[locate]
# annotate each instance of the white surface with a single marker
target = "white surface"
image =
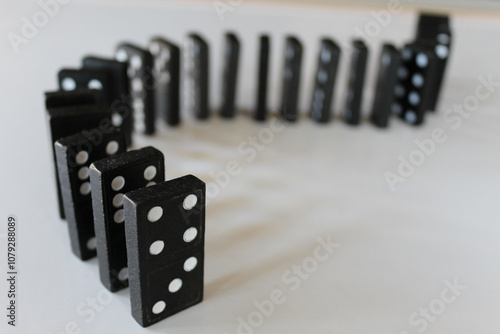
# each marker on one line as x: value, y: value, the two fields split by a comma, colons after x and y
x: 396, y: 248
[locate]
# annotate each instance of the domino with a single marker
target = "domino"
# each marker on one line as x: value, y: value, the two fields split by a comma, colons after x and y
x: 142, y: 86
x: 230, y: 76
x: 78, y: 97
x: 197, y: 101
x: 74, y: 155
x: 434, y: 32
x: 65, y: 121
x: 414, y: 91
x: 329, y: 55
x: 166, y: 70
x: 111, y: 178
x: 165, y: 229
x: 430, y: 26
x: 389, y: 62
x: 354, y: 98
x: 119, y: 93
x: 72, y: 79
x: 260, y: 113
x: 291, y: 79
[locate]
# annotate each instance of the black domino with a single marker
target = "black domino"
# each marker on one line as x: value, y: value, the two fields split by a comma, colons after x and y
x: 291, y: 79
x: 119, y: 99
x: 74, y: 79
x: 328, y: 60
x: 434, y: 31
x: 74, y: 155
x: 230, y: 76
x: 389, y: 63
x: 260, y: 113
x: 198, y: 77
x: 354, y: 97
x: 111, y: 178
x: 166, y: 69
x: 58, y: 99
x: 165, y: 228
x: 414, y: 89
x: 67, y: 120
x: 142, y: 84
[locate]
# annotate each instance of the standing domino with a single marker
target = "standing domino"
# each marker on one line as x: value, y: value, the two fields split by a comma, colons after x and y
x: 329, y: 55
x: 230, y: 76
x: 67, y: 120
x: 119, y: 92
x: 110, y: 179
x: 291, y: 79
x: 166, y: 71
x: 140, y: 67
x: 261, y: 108
x: 414, y: 90
x: 197, y: 64
x: 165, y: 227
x: 390, y: 60
x: 74, y: 155
x: 354, y: 98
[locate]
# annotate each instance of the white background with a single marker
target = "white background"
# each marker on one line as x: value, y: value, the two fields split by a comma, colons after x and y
x: 396, y: 250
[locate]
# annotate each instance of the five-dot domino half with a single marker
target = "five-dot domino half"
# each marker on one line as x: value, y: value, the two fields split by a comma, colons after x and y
x: 110, y: 179
x: 74, y: 155
x: 165, y: 228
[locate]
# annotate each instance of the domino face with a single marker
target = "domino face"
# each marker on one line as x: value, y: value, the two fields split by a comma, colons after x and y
x: 142, y: 85
x: 198, y: 78
x: 166, y: 70
x: 74, y: 155
x: 165, y: 228
x: 429, y: 26
x: 434, y: 32
x: 352, y: 109
x: 65, y: 121
x: 111, y: 179
x: 325, y: 81
x: 389, y: 63
x: 72, y: 79
x: 230, y: 76
x: 77, y: 97
x: 118, y: 90
x: 413, y: 91
x: 261, y: 108
x: 291, y: 79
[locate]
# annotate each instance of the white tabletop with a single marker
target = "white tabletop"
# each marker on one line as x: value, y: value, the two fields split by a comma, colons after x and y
x: 396, y: 252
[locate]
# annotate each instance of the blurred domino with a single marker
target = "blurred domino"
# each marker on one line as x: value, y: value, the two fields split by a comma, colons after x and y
x: 166, y: 70
x: 329, y: 55
x: 142, y: 85
x: 291, y: 79
x: 354, y: 98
